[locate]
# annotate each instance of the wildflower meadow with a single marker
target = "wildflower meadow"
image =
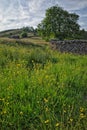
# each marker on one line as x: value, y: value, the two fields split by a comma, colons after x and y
x: 42, y: 89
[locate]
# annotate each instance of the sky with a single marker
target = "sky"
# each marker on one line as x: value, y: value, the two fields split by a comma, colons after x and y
x: 21, y: 13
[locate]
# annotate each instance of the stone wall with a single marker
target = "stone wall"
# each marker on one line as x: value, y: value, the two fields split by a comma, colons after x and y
x: 71, y: 46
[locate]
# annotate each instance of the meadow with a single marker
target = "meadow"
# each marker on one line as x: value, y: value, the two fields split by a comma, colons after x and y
x: 41, y: 89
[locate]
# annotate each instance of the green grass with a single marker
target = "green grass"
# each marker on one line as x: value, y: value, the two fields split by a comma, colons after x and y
x: 41, y: 89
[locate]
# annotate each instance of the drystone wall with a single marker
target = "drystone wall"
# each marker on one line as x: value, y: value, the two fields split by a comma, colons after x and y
x: 70, y: 46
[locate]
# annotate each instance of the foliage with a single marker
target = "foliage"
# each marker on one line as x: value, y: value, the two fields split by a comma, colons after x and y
x: 28, y: 29
x: 24, y: 34
x: 49, y: 97
x: 58, y: 23
x: 82, y: 34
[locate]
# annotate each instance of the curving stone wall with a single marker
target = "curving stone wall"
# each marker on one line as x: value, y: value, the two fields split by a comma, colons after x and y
x: 71, y: 46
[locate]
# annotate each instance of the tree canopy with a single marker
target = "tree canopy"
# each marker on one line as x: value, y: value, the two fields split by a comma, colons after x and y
x: 59, y: 23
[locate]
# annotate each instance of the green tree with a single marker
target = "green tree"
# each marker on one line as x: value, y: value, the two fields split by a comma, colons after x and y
x: 28, y: 29
x: 82, y: 34
x: 58, y: 23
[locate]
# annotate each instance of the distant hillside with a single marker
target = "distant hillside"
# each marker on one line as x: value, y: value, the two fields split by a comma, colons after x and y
x: 8, y: 33
x: 18, y: 32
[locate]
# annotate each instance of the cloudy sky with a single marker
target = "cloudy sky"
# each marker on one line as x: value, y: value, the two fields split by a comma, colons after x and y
x: 19, y: 13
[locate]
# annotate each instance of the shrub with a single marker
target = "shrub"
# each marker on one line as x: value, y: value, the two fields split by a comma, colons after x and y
x: 24, y: 35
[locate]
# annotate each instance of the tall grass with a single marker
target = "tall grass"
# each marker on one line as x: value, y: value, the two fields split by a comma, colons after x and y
x: 42, y: 90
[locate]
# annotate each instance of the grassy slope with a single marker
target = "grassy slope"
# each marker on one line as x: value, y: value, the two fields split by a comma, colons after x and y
x: 8, y: 32
x: 41, y: 89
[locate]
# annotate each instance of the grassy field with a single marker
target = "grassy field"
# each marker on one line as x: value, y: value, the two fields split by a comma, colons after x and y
x: 41, y: 89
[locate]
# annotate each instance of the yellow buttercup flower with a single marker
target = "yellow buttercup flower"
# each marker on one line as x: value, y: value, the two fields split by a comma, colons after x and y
x: 18, y: 65
x: 7, y: 103
x: 71, y: 120
x: 81, y: 109
x: 21, y: 113
x: 2, y: 99
x: 4, y: 112
x: 46, y: 109
x: 57, y: 124
x: 45, y: 100
x: 64, y: 111
x: 47, y: 121
x: 82, y: 115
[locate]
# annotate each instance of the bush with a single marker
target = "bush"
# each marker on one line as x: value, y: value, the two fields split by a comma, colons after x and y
x: 24, y: 35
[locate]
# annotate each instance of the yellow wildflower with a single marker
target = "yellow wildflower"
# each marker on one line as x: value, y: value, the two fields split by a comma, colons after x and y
x: 21, y: 113
x: 82, y: 115
x: 64, y: 111
x: 2, y: 99
x: 47, y: 121
x: 7, y: 103
x: 18, y: 65
x: 45, y: 100
x: 81, y: 109
x: 4, y: 112
x: 46, y: 109
x: 71, y: 120
x: 57, y: 124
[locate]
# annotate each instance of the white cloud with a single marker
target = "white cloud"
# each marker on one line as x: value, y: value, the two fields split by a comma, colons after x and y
x: 19, y: 13
x: 73, y: 4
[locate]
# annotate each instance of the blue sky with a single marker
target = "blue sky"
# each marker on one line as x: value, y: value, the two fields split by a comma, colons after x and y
x: 19, y: 13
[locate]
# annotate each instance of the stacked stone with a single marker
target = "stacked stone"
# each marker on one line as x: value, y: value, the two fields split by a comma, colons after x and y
x: 71, y: 46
